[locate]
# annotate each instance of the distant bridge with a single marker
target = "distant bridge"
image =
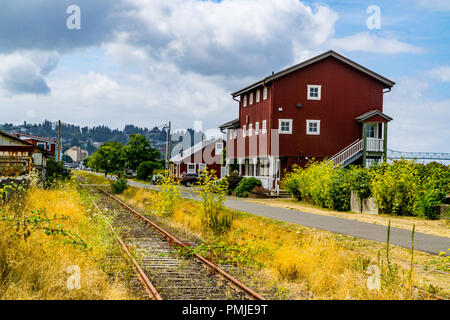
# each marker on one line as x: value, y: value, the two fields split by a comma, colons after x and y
x: 393, y: 154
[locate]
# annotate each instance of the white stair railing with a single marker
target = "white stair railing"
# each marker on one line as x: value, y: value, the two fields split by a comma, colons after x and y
x: 348, y: 152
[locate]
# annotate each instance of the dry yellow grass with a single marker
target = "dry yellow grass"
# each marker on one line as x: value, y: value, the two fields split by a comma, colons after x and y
x: 36, y: 266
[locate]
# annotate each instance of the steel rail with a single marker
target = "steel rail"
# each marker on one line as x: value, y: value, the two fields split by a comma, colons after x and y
x: 234, y: 282
x: 151, y: 291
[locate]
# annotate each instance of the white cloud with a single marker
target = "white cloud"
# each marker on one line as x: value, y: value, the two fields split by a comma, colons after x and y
x: 367, y: 42
x: 420, y: 123
x: 441, y: 73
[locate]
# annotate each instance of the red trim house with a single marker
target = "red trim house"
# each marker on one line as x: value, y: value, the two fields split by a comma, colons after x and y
x: 206, y: 154
x: 325, y: 107
x: 47, y: 144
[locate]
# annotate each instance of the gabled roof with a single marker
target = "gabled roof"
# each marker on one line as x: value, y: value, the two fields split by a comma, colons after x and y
x: 230, y: 124
x: 10, y: 136
x: 388, y: 83
x: 195, y: 148
x: 20, y: 134
x: 372, y: 113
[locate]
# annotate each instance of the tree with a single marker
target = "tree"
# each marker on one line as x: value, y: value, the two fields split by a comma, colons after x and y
x: 146, y: 169
x: 137, y: 150
x: 109, y: 157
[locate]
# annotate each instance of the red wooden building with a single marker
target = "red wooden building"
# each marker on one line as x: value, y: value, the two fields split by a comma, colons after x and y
x: 206, y: 154
x: 325, y: 107
x: 47, y: 144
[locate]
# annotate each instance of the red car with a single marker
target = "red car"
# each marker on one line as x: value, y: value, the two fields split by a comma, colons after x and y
x: 189, y: 179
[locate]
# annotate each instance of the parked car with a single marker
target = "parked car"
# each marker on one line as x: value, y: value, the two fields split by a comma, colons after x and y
x: 156, y: 178
x: 189, y: 179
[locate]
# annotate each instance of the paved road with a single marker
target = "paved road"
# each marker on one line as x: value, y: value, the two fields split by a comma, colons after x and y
x: 423, y: 242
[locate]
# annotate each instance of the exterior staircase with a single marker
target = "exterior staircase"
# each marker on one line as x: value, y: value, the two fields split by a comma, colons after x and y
x: 348, y: 154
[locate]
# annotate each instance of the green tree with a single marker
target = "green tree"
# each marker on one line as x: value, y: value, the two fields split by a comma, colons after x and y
x: 137, y: 150
x: 109, y: 157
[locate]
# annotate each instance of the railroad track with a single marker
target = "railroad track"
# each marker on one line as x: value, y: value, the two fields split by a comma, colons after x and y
x: 163, y: 272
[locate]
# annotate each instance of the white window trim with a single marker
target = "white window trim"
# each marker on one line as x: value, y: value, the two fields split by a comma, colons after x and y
x: 258, y: 96
x: 319, y: 93
x: 264, y: 126
x: 290, y: 126
x: 250, y: 98
x: 265, y: 90
x: 318, y: 127
x: 245, y: 101
x: 256, y: 128
x: 201, y: 167
x: 244, y: 130
x: 219, y: 148
x: 191, y: 170
x: 250, y: 129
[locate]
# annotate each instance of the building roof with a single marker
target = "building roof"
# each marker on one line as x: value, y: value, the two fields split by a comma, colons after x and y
x: 20, y: 134
x: 12, y: 137
x: 195, y: 148
x: 388, y: 83
x: 372, y: 113
x: 230, y: 124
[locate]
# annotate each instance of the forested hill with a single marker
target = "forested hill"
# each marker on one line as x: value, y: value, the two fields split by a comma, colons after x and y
x: 89, y: 138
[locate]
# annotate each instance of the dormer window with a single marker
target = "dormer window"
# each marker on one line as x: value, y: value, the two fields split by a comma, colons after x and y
x: 314, y: 92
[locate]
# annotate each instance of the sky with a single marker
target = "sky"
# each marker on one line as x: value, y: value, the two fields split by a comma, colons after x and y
x: 145, y: 62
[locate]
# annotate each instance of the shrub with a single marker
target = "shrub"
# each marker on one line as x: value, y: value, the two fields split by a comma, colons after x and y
x: 146, y: 169
x: 395, y: 186
x: 292, y: 182
x: 260, y: 191
x: 246, y: 185
x: 119, y: 186
x: 55, y: 173
x: 169, y: 195
x: 215, y: 217
x: 340, y: 190
x: 233, y: 180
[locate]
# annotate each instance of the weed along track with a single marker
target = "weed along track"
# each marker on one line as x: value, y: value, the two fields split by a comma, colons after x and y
x: 164, y: 273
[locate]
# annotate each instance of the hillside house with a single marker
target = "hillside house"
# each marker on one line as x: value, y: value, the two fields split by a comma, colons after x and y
x: 325, y: 107
x: 76, y: 154
x: 206, y: 154
x: 48, y: 144
x: 19, y: 157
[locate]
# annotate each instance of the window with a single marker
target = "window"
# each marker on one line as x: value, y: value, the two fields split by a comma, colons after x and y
x: 372, y: 130
x: 250, y: 129
x: 256, y: 128
x: 258, y: 92
x: 41, y: 145
x: 251, y: 98
x: 313, y: 127
x: 314, y: 92
x: 265, y: 93
x: 201, y: 167
x: 244, y: 130
x: 235, y: 133
x: 245, y: 101
x: 230, y: 134
x: 191, y: 168
x: 285, y: 126
x: 219, y: 147
x: 264, y: 126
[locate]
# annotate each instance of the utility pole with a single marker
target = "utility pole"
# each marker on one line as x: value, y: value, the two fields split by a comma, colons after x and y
x: 168, y: 148
x: 59, y: 141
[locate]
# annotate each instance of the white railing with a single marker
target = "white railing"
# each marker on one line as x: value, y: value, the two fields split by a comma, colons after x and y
x: 265, y: 181
x: 376, y: 145
x: 348, y: 152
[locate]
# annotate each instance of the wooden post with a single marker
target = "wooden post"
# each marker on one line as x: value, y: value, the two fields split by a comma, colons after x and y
x: 385, y: 141
x: 59, y: 141
x: 364, y: 145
